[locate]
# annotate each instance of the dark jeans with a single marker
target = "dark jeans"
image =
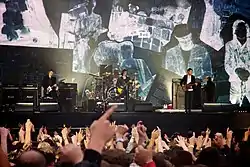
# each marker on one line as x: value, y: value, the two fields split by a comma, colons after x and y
x: 53, y: 94
x: 188, y: 101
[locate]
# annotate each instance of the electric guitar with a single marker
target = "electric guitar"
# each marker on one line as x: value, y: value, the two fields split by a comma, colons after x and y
x: 188, y: 86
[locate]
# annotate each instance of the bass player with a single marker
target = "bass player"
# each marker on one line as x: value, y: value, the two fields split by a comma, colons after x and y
x: 49, y: 85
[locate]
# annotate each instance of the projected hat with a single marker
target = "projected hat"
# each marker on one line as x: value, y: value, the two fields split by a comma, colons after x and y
x: 181, y: 30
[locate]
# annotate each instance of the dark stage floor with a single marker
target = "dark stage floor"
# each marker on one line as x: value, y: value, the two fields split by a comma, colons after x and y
x: 169, y: 122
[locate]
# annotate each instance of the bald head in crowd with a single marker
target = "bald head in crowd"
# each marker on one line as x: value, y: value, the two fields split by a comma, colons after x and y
x: 31, y: 159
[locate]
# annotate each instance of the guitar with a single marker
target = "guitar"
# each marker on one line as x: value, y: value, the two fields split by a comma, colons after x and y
x: 188, y: 86
x: 50, y: 88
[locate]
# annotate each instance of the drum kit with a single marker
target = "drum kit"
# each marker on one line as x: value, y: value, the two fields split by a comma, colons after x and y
x: 106, y: 88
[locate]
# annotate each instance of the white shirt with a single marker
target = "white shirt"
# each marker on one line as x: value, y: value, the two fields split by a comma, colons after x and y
x: 189, y: 80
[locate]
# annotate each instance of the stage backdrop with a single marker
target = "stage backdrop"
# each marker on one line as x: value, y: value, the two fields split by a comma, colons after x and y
x: 150, y: 38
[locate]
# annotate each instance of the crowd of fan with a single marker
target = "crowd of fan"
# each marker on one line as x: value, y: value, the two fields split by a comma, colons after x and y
x: 105, y: 144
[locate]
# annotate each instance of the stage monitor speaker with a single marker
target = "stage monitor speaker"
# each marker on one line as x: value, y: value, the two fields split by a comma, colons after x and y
x: 219, y: 107
x: 24, y: 107
x: 67, y: 105
x: 120, y: 106
x: 90, y: 105
x: 49, y: 107
x: 143, y: 107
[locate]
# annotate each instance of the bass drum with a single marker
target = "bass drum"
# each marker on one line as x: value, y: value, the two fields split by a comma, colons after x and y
x: 114, y: 92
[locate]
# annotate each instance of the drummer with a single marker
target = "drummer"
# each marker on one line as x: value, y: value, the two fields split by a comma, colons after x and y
x: 117, y: 82
x: 124, y: 77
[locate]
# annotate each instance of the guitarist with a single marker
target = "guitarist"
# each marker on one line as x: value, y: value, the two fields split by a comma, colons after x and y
x: 187, y: 83
x: 49, y: 85
x: 125, y: 79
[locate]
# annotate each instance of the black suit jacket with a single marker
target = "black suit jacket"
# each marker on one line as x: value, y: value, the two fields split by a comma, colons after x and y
x: 48, y: 81
x: 184, y: 80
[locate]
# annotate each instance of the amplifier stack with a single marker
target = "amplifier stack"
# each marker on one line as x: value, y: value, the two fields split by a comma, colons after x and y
x: 27, y: 98
x: 68, y: 96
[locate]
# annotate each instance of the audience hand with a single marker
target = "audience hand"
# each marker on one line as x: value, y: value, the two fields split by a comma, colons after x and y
x: 208, y: 143
x: 181, y: 142
x: 246, y: 134
x: 229, y: 134
x: 166, y: 138
x: 191, y: 141
x: 135, y: 134
x: 155, y: 134
x: 142, y: 132
x: 79, y: 136
x: 101, y: 131
x: 121, y: 130
x: 208, y: 131
x: 199, y: 142
x: 4, y: 132
x: 65, y: 132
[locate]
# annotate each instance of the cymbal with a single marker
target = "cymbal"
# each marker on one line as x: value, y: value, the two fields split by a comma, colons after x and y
x: 106, y: 73
x: 93, y: 75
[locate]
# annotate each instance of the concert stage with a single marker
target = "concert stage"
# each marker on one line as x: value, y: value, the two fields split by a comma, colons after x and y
x: 169, y: 122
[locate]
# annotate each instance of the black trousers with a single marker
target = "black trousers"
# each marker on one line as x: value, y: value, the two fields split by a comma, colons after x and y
x: 189, y: 96
x: 53, y: 94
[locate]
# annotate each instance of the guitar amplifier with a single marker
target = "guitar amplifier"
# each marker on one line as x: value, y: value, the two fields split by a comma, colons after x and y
x: 28, y: 93
x: 10, y: 94
x: 178, y: 95
x: 68, y: 96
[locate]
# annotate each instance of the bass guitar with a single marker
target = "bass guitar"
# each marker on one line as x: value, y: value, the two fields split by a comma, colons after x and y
x: 50, y: 88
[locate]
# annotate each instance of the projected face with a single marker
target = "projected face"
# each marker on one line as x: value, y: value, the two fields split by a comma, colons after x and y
x: 185, y: 42
x: 127, y: 51
x: 241, y: 33
x: 183, y: 3
x: 108, y: 53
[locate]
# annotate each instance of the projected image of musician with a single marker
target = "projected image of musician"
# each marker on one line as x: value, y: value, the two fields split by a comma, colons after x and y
x: 25, y: 23
x: 237, y: 63
x: 134, y: 65
x: 188, y: 83
x: 187, y: 54
x: 49, y: 85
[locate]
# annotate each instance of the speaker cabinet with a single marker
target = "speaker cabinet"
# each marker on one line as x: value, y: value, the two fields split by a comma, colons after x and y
x: 24, y: 107
x: 49, y: 107
x: 219, y: 107
x: 178, y: 95
x: 143, y: 107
